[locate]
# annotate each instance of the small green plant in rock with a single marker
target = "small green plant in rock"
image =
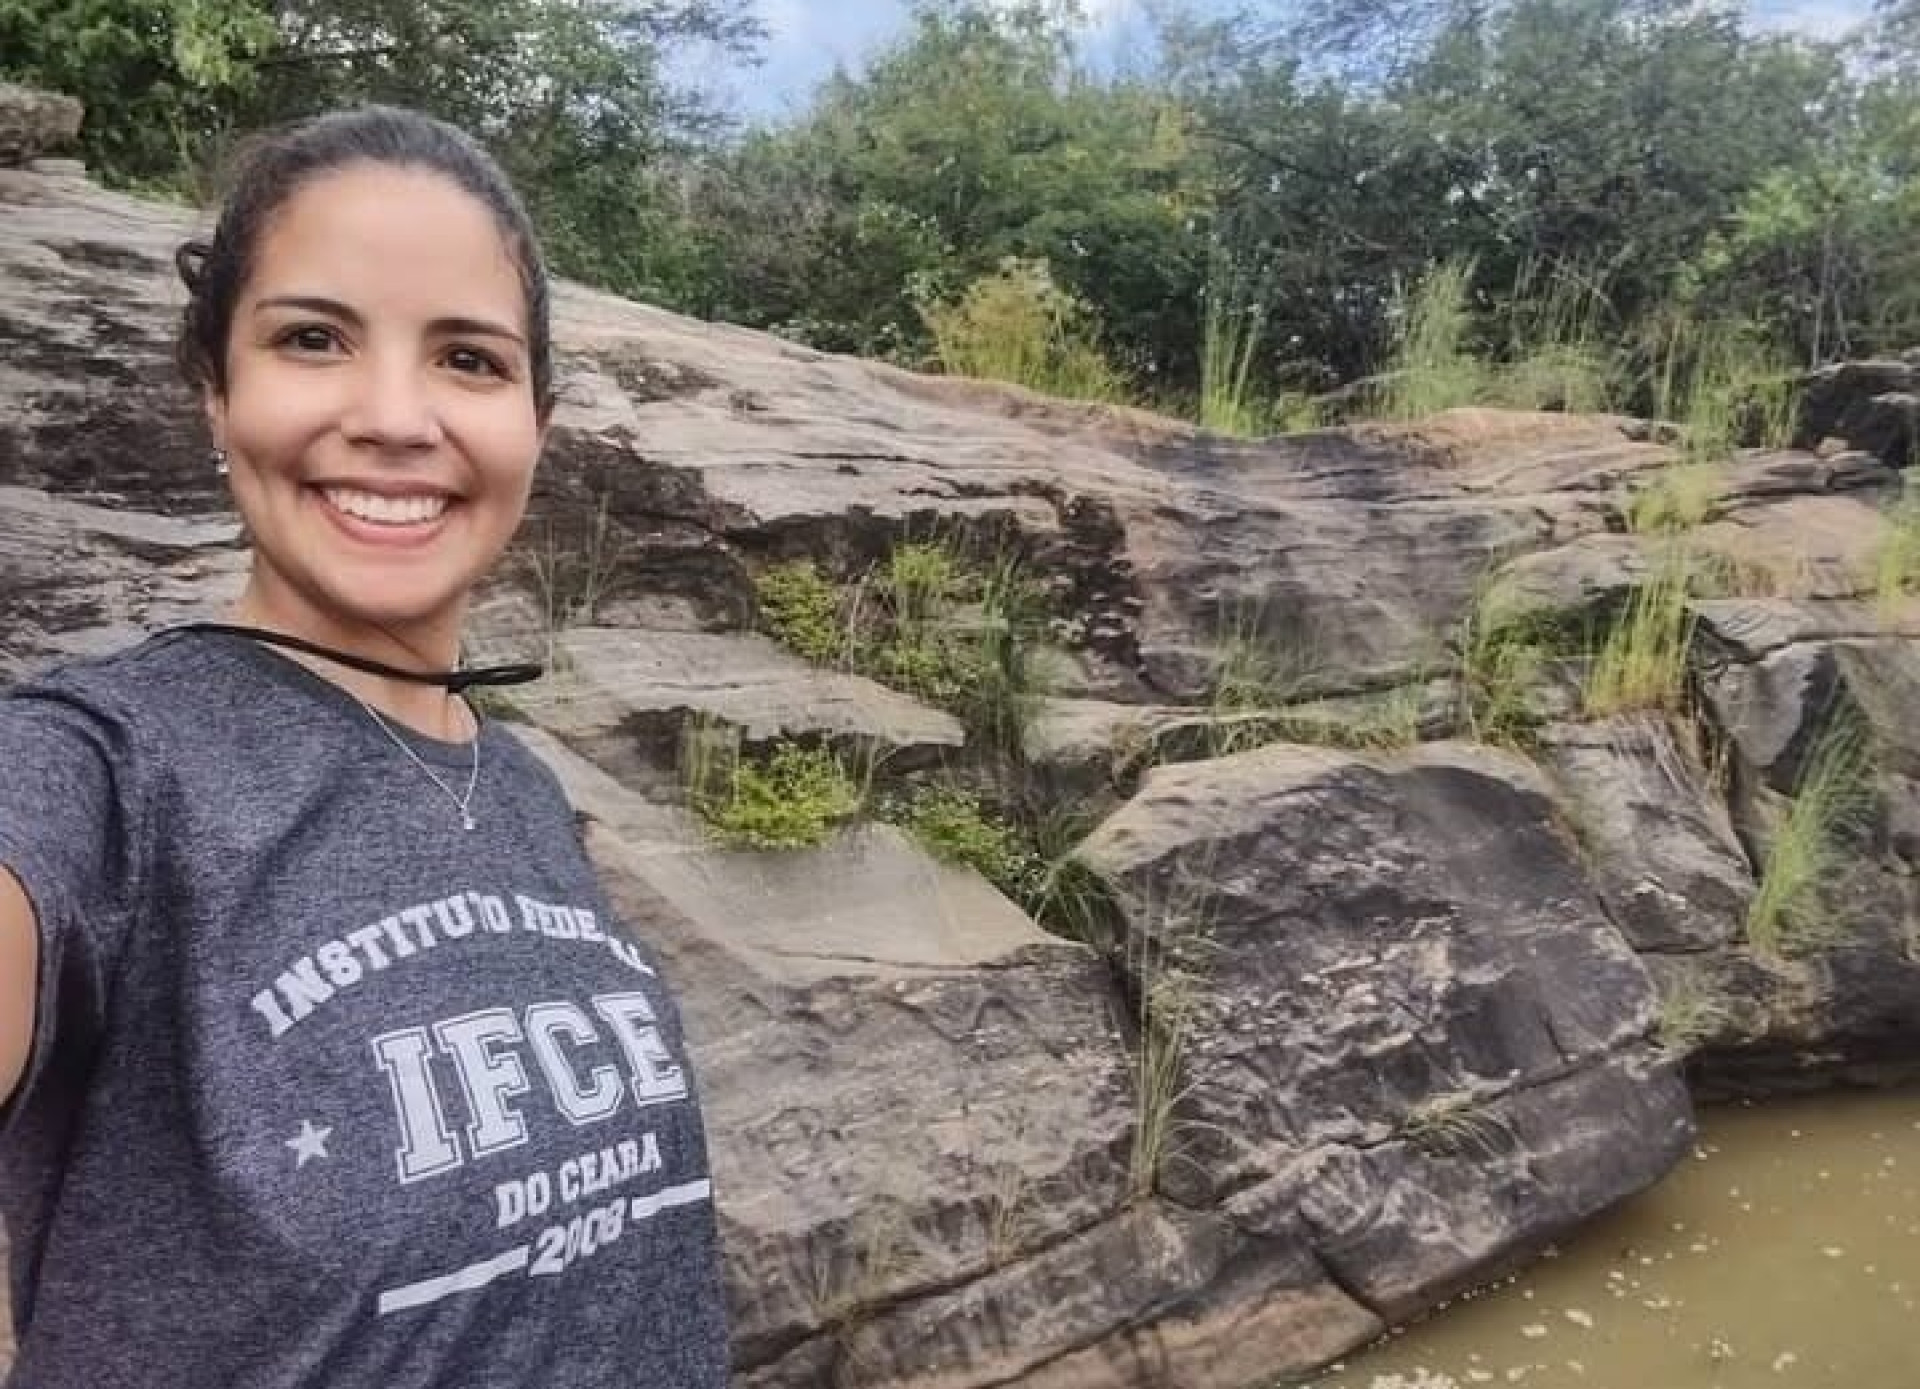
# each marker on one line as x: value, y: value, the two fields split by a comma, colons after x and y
x: 952, y: 825
x: 1432, y: 369
x: 1690, y: 1013
x: 1455, y: 1124
x: 1255, y: 674
x: 1642, y: 663
x: 800, y: 609
x: 793, y: 797
x: 1832, y: 796
x: 496, y: 704
x: 1503, y: 657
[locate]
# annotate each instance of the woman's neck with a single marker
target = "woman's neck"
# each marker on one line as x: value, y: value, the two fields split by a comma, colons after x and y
x: 426, y: 709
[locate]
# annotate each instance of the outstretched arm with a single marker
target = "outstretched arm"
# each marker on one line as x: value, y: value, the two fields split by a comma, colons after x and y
x: 19, y: 961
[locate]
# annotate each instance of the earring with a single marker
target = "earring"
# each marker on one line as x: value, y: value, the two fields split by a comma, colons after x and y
x: 220, y: 462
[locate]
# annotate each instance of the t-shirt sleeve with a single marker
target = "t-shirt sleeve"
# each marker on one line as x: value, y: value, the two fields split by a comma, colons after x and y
x: 69, y: 832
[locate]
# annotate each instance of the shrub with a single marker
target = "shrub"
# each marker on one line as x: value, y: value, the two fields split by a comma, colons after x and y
x: 792, y: 798
x: 1018, y: 325
x: 801, y: 609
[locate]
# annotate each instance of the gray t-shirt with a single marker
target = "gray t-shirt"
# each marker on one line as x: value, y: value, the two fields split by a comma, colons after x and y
x: 326, y: 1090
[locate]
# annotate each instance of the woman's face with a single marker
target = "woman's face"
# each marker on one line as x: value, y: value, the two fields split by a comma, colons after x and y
x: 378, y: 413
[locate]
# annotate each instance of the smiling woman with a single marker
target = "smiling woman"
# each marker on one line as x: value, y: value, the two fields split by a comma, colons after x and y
x: 228, y: 869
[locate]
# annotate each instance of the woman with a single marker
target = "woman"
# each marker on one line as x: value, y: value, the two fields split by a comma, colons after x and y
x: 326, y: 1062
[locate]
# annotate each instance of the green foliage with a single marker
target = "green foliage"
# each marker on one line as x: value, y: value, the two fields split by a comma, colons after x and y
x: 800, y: 608
x: 1432, y: 368
x: 160, y: 79
x: 1833, y: 793
x: 1642, y: 662
x: 952, y: 826
x: 571, y: 97
x: 1017, y: 325
x: 792, y: 797
x: 931, y: 621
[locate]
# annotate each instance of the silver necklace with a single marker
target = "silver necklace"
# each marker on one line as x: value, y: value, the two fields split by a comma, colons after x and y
x: 460, y: 803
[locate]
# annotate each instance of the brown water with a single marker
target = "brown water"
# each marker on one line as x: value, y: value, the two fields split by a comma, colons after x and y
x: 1784, y: 1254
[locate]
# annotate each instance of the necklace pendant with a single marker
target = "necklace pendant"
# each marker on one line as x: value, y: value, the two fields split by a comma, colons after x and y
x: 466, y: 821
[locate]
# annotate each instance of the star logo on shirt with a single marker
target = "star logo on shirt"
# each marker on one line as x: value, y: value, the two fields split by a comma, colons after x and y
x: 309, y: 1143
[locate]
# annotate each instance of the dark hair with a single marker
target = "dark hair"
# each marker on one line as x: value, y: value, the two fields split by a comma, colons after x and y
x: 271, y: 168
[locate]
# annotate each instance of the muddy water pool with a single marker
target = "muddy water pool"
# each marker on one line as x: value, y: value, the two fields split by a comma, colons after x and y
x: 1783, y: 1254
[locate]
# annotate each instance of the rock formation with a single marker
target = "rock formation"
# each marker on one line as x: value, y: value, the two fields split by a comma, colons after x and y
x: 1370, y: 1019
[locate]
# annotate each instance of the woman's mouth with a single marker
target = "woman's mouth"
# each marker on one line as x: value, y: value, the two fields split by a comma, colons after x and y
x: 377, y: 510
x: 371, y: 518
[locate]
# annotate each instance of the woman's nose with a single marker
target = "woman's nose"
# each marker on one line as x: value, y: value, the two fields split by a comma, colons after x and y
x: 393, y: 406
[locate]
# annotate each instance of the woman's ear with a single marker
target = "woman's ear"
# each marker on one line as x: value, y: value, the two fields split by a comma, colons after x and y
x: 214, y: 404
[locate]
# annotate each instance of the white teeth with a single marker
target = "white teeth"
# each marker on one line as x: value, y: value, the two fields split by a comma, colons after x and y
x: 386, y: 511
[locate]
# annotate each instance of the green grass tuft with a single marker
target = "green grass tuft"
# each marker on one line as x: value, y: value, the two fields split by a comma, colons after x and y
x: 1833, y: 795
x: 1678, y: 498
x: 1642, y: 663
x: 1691, y: 1012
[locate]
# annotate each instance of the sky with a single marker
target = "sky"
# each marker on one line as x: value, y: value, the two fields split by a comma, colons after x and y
x: 806, y: 39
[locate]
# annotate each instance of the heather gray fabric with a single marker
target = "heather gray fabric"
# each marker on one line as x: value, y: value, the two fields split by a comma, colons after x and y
x: 326, y: 1091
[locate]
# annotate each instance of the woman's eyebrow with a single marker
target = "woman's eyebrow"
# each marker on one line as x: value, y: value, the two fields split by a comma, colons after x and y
x: 311, y: 303
x: 333, y: 308
x: 475, y: 327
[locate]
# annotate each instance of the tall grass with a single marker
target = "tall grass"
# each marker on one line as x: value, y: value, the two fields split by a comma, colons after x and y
x: 1723, y: 383
x: 1169, y: 932
x: 1833, y: 793
x: 1018, y: 325
x: 1231, y: 330
x: 1642, y: 662
x: 1431, y: 368
x: 1557, y: 353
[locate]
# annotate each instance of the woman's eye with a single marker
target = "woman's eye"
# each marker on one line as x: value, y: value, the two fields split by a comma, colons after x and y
x: 309, y: 337
x: 472, y: 361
